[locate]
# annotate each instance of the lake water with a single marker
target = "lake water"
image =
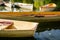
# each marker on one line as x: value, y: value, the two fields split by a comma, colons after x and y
x: 48, y: 31
x: 48, y: 35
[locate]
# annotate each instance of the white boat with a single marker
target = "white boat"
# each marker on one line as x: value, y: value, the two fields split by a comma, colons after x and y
x: 48, y: 7
x: 19, y: 29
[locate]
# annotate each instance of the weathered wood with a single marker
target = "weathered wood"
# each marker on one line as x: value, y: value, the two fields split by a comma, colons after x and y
x: 18, y: 16
x: 28, y: 13
x: 34, y: 19
x: 22, y: 29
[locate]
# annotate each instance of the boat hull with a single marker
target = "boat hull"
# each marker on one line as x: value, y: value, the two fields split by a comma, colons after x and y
x: 17, y: 33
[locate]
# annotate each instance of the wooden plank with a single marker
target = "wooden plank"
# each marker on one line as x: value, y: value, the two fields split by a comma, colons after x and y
x: 28, y: 13
x: 17, y: 16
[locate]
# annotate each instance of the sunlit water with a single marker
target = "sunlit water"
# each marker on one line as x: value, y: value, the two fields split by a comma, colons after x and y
x: 48, y: 35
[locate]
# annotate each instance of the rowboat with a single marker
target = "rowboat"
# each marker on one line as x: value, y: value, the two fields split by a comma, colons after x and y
x: 18, y: 28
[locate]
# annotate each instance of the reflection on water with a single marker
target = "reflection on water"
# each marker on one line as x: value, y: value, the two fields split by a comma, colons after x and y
x: 48, y: 35
x: 48, y: 31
